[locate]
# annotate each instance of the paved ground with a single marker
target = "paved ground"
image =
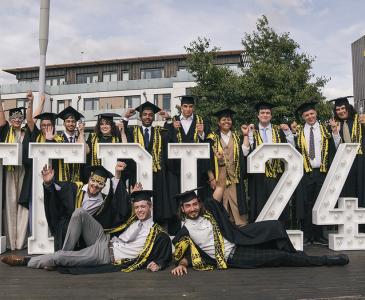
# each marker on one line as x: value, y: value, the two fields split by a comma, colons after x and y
x: 275, y: 283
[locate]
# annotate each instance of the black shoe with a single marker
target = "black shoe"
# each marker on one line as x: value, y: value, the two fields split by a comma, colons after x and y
x: 337, y: 260
x: 321, y: 241
x: 307, y: 242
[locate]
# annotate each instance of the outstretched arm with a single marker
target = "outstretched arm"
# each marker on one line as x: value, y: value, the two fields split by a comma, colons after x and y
x: 221, y: 182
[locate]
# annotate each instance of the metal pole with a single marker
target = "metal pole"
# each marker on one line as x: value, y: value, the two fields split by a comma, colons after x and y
x: 43, y: 43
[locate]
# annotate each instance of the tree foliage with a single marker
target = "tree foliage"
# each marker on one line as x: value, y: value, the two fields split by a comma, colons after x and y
x: 277, y: 72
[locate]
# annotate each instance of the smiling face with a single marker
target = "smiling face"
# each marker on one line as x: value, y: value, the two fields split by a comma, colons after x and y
x: 147, y: 117
x: 192, y: 209
x: 264, y: 116
x: 225, y: 124
x: 142, y: 209
x: 105, y: 127
x: 16, y: 120
x: 70, y: 124
x: 95, y: 185
x: 342, y: 112
x: 310, y: 116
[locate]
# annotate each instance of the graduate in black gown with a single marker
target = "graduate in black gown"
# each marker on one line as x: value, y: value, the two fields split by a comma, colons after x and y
x: 352, y: 131
x: 208, y: 240
x: 154, y: 140
x: 260, y: 186
x: 62, y: 198
x: 63, y: 171
x: 188, y: 127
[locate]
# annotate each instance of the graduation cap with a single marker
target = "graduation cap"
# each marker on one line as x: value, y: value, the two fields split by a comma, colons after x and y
x: 148, y: 105
x: 70, y: 112
x: 142, y: 195
x: 227, y: 112
x: 99, y: 171
x: 46, y: 116
x: 16, y: 112
x: 108, y: 116
x: 187, y: 99
x: 305, y: 107
x: 341, y: 101
x: 187, y: 195
x: 263, y: 105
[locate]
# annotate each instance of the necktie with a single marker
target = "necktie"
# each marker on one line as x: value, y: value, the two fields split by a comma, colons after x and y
x: 71, y: 139
x: 146, y: 138
x: 135, y: 233
x: 346, y: 132
x: 264, y: 135
x: 312, y: 154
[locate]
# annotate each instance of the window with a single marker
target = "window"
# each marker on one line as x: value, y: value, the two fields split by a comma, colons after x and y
x: 132, y: 101
x: 62, y: 104
x: 55, y: 80
x: 110, y: 76
x: 163, y: 101
x: 125, y: 75
x: 152, y: 73
x: 183, y: 69
x: 91, y: 103
x: 21, y: 102
x: 87, y: 78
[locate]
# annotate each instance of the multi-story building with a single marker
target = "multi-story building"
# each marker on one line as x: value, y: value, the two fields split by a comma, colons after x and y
x: 358, y: 69
x: 111, y: 85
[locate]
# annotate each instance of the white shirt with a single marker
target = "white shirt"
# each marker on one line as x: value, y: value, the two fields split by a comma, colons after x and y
x: 186, y: 123
x: 226, y: 137
x: 123, y: 247
x: 68, y: 137
x: 316, y: 162
x: 201, y: 232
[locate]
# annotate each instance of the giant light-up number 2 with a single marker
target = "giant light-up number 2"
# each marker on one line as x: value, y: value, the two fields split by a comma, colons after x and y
x: 286, y: 186
x: 348, y: 215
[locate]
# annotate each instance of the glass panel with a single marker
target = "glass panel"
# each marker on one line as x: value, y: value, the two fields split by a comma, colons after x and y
x: 125, y: 75
x: 113, y: 77
x: 106, y: 77
x: 166, y: 102
x: 95, y: 78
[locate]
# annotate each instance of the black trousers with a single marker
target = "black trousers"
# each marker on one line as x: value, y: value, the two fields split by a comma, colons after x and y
x: 246, y: 257
x: 312, y: 183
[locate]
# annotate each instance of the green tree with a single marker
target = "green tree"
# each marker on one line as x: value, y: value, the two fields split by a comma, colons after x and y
x: 277, y: 73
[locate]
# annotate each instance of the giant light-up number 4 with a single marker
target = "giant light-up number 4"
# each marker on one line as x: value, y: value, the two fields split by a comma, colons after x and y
x: 348, y: 215
x: 286, y: 186
x: 10, y: 154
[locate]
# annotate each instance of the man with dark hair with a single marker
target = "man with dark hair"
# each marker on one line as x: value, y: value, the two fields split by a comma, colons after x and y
x: 260, y: 186
x: 209, y: 240
x: 317, y: 144
x: 351, y: 131
x: 154, y: 140
x: 133, y: 245
x: 100, y: 197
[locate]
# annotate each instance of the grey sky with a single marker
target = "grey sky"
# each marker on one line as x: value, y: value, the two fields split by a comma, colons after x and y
x: 120, y: 28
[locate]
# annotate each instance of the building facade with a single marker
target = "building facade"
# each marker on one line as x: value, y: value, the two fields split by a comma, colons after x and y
x: 111, y: 85
x: 358, y: 69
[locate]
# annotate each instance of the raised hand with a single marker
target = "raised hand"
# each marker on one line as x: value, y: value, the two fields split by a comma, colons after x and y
x: 284, y: 127
x: 49, y: 133
x: 200, y: 128
x: 177, y: 124
x: 137, y: 187
x: 120, y: 166
x: 47, y: 174
x: 30, y: 96
x: 251, y: 127
x: 245, y: 129
x: 130, y: 112
x: 334, y: 126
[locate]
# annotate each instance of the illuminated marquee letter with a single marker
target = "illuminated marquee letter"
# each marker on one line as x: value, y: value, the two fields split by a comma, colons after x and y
x: 189, y: 153
x: 10, y: 154
x: 348, y: 215
x: 109, y: 154
x: 42, y: 153
x: 286, y: 186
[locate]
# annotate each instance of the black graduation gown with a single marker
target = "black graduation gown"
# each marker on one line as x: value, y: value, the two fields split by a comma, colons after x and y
x: 26, y: 193
x: 164, y: 204
x: 59, y: 206
x: 270, y: 234
x: 174, y: 165
x: 260, y: 188
x: 355, y: 182
x: 240, y: 186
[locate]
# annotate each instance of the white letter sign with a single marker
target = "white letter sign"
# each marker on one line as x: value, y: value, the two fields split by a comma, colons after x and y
x: 286, y: 186
x: 10, y: 154
x: 42, y: 153
x: 348, y: 215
